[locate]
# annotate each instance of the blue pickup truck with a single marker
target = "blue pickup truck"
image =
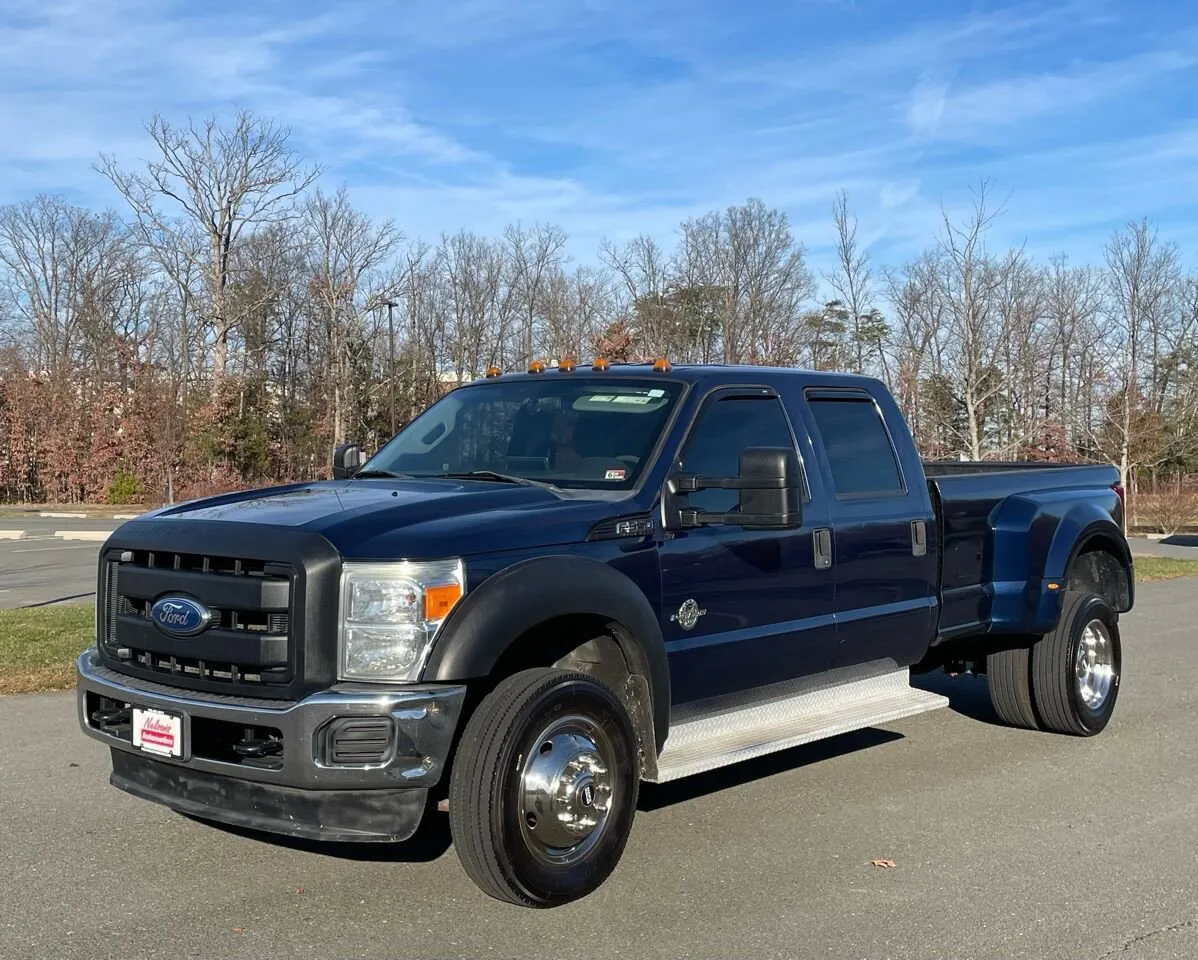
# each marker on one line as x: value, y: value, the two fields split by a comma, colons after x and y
x: 554, y: 585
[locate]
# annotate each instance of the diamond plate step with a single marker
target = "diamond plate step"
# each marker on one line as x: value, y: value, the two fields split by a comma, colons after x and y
x: 706, y: 743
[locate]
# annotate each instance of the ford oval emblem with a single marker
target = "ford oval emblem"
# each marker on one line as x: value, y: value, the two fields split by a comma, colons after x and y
x: 180, y: 616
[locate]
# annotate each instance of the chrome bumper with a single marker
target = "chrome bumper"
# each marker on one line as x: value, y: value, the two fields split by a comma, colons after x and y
x: 423, y: 718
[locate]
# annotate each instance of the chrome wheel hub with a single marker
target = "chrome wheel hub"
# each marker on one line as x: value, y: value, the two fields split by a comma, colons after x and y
x: 565, y: 790
x: 1094, y: 664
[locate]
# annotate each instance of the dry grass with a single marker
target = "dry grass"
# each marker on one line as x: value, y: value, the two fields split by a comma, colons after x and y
x: 1149, y: 569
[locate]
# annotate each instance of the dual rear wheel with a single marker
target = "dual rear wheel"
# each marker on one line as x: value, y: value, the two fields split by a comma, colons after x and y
x: 1066, y: 681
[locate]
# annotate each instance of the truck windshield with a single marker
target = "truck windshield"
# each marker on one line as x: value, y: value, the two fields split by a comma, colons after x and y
x: 590, y: 433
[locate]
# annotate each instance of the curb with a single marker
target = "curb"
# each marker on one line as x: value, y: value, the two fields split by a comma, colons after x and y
x: 82, y: 534
x: 64, y: 516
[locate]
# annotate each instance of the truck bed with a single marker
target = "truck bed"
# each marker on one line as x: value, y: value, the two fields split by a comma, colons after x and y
x: 973, y: 499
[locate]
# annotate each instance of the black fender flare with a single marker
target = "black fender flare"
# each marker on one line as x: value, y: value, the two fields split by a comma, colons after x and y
x: 514, y: 600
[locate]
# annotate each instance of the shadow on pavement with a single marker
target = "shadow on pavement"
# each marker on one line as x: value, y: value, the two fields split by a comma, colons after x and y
x: 1181, y: 540
x: 656, y: 796
x: 967, y: 695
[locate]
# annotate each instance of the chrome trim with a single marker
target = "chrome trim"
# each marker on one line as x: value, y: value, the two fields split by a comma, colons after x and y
x: 425, y: 717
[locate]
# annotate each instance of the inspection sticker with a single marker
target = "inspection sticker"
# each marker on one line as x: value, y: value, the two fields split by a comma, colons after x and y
x: 614, y: 475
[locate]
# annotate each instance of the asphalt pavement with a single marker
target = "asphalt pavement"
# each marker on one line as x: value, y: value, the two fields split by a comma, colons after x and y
x: 49, y: 562
x: 1007, y: 844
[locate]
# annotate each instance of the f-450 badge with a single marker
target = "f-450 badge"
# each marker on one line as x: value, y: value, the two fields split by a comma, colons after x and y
x: 688, y: 614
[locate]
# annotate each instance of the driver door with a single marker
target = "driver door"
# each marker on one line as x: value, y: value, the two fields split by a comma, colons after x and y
x: 741, y: 608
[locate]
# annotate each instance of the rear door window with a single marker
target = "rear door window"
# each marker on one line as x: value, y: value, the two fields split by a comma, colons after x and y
x: 858, y: 447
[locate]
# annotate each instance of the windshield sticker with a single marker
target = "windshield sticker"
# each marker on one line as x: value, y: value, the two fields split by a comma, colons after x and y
x: 614, y: 475
x: 657, y: 393
x: 628, y: 398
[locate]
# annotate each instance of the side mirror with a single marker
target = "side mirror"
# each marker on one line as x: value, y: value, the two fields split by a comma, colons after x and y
x: 770, y: 493
x: 770, y: 497
x: 347, y: 460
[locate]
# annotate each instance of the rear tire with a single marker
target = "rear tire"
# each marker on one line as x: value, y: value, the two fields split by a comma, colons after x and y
x: 1076, y: 667
x: 544, y: 788
x: 1008, y: 677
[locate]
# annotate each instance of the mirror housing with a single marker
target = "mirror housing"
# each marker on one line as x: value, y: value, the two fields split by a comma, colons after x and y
x: 347, y: 460
x: 770, y: 493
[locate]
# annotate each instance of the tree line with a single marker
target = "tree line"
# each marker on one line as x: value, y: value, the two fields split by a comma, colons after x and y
x: 234, y: 319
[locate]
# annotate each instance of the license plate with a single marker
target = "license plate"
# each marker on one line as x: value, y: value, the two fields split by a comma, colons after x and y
x: 157, y: 732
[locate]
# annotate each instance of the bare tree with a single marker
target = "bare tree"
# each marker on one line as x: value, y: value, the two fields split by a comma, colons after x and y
x: 222, y: 182
x: 347, y: 256
x: 1142, y: 278
x: 852, y: 279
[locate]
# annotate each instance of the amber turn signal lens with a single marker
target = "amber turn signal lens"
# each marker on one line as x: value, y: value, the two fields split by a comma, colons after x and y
x: 536, y: 367
x: 661, y: 365
x: 566, y: 365
x: 438, y: 601
x: 600, y: 364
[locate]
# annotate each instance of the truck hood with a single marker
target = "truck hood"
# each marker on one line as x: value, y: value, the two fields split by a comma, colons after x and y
x: 414, y: 519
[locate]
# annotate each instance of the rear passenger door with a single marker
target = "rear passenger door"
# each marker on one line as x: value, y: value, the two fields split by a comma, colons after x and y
x: 881, y: 524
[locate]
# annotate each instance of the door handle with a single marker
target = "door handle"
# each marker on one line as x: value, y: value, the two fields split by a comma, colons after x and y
x: 822, y: 540
x: 919, y: 538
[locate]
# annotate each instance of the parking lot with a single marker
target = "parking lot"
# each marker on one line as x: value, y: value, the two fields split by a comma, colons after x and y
x: 1006, y: 843
x: 53, y: 560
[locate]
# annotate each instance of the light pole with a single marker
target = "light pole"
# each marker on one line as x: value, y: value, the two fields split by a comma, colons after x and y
x: 390, y: 304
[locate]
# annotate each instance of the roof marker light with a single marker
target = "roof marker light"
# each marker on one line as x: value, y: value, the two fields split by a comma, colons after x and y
x: 536, y: 367
x: 599, y: 365
x: 661, y: 365
x: 493, y: 371
x: 566, y: 366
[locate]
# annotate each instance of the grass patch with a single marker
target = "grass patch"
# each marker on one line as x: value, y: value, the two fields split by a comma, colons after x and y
x: 38, y: 646
x: 1149, y: 569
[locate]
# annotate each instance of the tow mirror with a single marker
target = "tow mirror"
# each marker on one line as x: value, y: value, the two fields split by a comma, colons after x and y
x: 770, y: 493
x: 347, y: 460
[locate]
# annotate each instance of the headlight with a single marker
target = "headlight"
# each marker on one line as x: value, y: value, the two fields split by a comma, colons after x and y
x: 389, y: 616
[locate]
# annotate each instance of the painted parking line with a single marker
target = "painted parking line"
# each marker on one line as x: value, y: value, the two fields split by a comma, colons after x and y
x: 58, y: 549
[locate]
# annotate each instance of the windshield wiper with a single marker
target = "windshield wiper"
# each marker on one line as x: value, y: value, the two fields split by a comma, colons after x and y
x: 492, y: 475
x: 384, y: 474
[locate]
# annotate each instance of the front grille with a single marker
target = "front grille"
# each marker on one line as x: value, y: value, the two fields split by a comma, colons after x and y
x: 248, y: 643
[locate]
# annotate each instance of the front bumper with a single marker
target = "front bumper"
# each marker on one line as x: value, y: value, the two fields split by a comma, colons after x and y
x: 300, y: 793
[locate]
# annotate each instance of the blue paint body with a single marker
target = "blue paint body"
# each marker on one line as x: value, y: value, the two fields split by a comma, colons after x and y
x: 996, y: 537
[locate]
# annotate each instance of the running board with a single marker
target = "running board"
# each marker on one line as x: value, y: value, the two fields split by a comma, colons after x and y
x: 706, y: 743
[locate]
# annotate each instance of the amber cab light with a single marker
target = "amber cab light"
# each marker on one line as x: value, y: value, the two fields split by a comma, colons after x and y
x: 600, y: 364
x: 661, y: 365
x: 536, y: 367
x: 493, y: 371
x: 566, y: 366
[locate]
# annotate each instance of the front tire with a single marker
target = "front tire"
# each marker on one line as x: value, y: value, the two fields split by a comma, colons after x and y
x: 544, y: 788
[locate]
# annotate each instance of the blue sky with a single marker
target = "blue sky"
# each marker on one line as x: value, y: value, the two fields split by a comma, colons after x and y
x: 617, y: 118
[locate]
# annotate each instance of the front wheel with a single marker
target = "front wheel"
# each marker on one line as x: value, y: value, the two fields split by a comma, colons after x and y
x: 544, y: 788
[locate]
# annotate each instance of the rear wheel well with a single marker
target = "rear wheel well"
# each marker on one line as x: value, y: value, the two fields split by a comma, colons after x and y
x: 598, y: 647
x: 1098, y: 569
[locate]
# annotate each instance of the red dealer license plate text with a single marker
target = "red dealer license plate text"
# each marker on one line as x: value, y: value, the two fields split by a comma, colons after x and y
x: 158, y: 732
